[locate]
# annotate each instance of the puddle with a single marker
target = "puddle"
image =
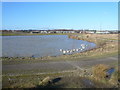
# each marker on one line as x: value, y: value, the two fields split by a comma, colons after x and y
x: 110, y: 72
x: 88, y: 83
x: 56, y: 80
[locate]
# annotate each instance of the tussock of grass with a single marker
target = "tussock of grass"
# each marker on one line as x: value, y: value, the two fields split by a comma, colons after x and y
x: 99, y: 71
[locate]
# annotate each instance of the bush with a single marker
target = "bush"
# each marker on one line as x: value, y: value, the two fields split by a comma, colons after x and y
x: 99, y: 71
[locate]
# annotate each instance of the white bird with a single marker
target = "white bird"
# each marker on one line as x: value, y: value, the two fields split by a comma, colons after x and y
x: 77, y: 49
x: 82, y: 45
x: 61, y: 50
x: 64, y: 52
x: 67, y: 51
x: 81, y: 49
x: 73, y: 50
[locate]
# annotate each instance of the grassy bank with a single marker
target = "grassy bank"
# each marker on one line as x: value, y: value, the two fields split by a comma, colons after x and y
x: 29, y: 34
x: 107, y: 44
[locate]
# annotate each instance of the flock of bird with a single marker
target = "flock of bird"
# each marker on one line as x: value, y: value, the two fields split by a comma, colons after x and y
x: 83, y: 46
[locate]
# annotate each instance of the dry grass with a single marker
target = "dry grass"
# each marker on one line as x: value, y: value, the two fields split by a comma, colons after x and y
x: 100, y: 74
x: 45, y: 81
x: 106, y: 44
x: 99, y: 39
x: 99, y: 71
x: 114, y: 78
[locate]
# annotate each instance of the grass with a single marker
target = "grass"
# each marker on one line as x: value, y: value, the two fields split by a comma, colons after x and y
x: 27, y: 81
x: 104, y: 44
x: 29, y: 34
x: 88, y: 55
x: 99, y: 71
x: 99, y: 75
x: 68, y: 80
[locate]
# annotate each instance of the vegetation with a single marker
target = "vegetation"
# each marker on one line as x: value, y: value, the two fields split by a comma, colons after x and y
x: 99, y: 71
x: 100, y: 74
x: 29, y: 34
x: 63, y: 80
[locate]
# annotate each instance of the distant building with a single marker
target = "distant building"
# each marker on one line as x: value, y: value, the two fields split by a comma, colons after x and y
x: 43, y: 31
x: 102, y: 32
x: 61, y: 31
x: 34, y: 32
x: 90, y: 32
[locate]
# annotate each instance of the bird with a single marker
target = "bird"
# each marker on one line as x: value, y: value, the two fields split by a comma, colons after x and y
x: 64, y: 52
x: 77, y: 49
x: 67, y: 51
x: 61, y: 50
x: 83, y: 46
x: 81, y: 49
x: 73, y: 50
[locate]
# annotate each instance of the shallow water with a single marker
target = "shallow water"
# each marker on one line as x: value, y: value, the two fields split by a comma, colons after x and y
x: 40, y: 46
x: 110, y: 71
x: 88, y: 83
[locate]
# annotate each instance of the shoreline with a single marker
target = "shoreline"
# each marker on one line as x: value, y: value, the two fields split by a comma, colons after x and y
x: 42, y: 57
x: 101, y: 44
x: 28, y: 34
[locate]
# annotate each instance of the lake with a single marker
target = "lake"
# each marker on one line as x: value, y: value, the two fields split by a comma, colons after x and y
x: 40, y: 46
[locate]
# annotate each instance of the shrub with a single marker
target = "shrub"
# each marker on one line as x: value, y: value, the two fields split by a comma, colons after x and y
x: 99, y: 71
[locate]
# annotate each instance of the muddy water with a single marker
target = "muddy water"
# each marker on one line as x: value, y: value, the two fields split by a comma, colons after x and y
x: 40, y: 46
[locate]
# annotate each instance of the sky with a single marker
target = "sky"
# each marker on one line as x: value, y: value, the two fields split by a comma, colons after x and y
x: 60, y: 0
x: 60, y: 15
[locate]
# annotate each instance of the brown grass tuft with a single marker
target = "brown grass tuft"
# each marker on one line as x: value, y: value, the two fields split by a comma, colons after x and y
x: 99, y: 71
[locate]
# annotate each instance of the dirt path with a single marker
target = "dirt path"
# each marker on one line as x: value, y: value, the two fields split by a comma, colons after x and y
x: 58, y: 66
